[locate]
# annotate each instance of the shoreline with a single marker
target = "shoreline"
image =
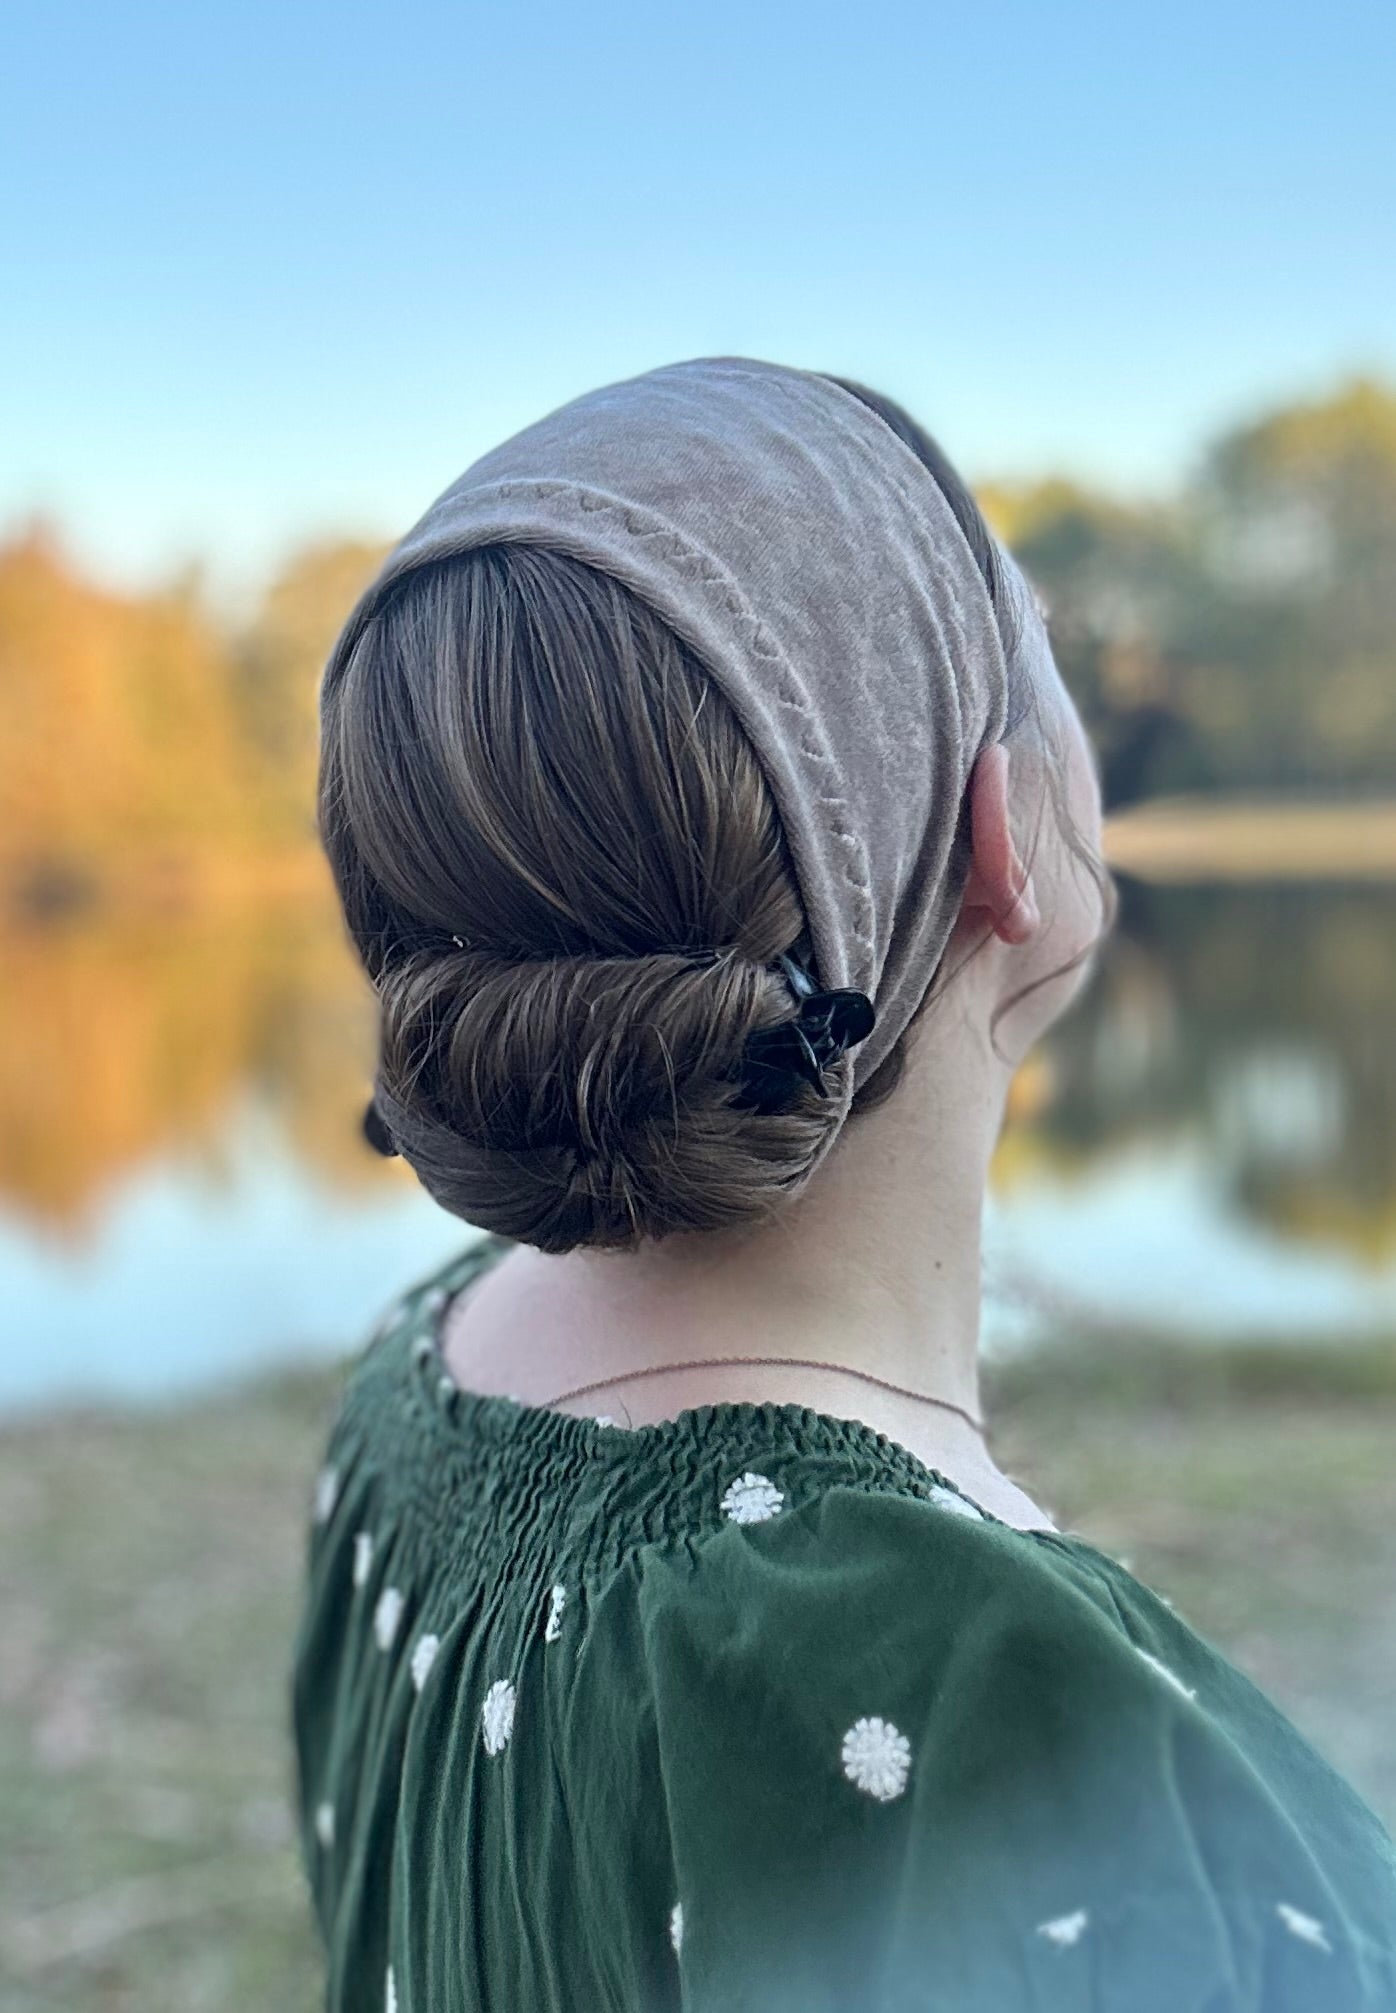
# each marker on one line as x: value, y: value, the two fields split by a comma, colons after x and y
x: 1197, y: 838
x: 1179, y: 838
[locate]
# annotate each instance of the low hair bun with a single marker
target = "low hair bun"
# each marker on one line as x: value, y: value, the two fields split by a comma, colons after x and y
x: 590, y: 1101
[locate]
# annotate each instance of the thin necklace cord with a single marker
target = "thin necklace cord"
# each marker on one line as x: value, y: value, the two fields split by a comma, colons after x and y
x: 797, y: 1362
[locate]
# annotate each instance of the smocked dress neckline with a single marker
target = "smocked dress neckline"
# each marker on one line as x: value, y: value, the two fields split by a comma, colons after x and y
x: 540, y: 1430
x: 657, y: 1715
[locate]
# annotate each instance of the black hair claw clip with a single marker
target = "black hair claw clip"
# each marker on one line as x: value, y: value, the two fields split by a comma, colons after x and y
x: 827, y: 1024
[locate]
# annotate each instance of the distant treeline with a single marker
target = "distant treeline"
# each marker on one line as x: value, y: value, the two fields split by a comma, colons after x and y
x: 1239, y: 636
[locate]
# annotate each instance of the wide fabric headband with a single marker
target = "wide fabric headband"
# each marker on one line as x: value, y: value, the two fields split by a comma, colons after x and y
x: 812, y: 563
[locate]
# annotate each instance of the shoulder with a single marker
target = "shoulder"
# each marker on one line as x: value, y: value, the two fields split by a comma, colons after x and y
x: 923, y: 1613
x: 909, y: 1700
x: 917, y: 1567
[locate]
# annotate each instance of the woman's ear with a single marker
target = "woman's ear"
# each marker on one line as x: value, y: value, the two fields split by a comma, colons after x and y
x: 998, y: 881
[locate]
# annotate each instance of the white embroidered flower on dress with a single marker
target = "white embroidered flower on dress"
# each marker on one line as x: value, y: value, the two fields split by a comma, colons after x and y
x: 324, y: 1825
x: 423, y: 1657
x: 1170, y: 1677
x: 497, y: 1716
x: 363, y: 1556
x: 1305, y: 1927
x: 552, y: 1627
x: 386, y: 1617
x: 876, y: 1757
x: 751, y: 1499
x: 951, y: 1499
x: 1065, y: 1929
x: 676, y: 1926
x: 326, y: 1494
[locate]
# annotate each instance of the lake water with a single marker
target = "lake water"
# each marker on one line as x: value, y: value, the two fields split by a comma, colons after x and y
x: 1207, y: 1146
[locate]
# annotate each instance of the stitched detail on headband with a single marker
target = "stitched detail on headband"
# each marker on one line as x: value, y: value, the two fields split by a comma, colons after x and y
x: 893, y: 476
x: 759, y: 640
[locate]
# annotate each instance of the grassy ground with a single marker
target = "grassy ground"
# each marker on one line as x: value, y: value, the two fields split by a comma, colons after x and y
x: 150, y: 1568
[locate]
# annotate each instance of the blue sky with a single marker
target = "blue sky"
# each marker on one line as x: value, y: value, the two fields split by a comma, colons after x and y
x: 275, y: 272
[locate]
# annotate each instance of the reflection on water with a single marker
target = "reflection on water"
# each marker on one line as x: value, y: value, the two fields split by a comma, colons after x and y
x: 1254, y: 1023
x: 1207, y: 1145
x: 201, y: 1267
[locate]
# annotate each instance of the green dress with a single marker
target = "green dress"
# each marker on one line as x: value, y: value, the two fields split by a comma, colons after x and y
x: 751, y: 1712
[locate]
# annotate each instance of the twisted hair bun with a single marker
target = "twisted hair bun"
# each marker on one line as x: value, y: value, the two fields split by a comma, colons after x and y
x: 542, y: 820
x: 582, y: 1100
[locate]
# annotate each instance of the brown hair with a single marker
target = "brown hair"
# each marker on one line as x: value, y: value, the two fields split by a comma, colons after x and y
x: 524, y: 757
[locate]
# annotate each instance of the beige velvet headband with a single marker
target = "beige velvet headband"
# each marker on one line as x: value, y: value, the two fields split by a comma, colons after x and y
x: 801, y: 548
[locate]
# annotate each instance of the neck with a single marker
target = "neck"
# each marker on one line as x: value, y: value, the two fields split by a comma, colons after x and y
x: 875, y: 1268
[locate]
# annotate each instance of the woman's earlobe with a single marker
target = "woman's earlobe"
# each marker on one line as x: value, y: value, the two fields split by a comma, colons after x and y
x: 1022, y: 919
